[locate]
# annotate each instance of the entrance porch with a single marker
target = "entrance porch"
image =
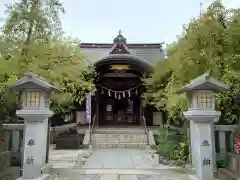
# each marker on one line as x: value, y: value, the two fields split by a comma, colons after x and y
x: 119, y: 111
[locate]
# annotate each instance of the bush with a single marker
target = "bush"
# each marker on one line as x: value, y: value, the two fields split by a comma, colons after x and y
x: 172, y: 145
x: 222, y: 161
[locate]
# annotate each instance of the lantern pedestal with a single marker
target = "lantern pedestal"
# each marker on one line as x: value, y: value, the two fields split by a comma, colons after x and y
x: 203, y: 141
x: 35, y: 141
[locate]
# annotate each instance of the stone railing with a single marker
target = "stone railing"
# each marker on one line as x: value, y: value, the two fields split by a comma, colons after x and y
x: 224, y: 140
x: 13, y: 139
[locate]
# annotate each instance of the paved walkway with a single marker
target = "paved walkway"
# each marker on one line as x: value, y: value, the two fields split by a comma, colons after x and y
x: 123, y: 177
x: 118, y: 159
x: 111, y: 164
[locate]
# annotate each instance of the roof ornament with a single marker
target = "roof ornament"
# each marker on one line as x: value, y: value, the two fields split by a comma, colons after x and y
x: 120, y: 39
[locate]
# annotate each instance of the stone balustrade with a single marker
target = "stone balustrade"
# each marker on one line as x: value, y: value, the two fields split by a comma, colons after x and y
x: 224, y: 140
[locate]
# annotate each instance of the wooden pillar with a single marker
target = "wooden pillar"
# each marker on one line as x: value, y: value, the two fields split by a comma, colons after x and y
x: 141, y: 114
x: 141, y: 107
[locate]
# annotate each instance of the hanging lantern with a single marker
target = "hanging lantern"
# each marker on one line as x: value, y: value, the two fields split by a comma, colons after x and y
x: 123, y: 94
x: 109, y: 93
x: 102, y: 91
x: 129, y: 93
x: 136, y: 92
x: 115, y: 95
x: 119, y: 96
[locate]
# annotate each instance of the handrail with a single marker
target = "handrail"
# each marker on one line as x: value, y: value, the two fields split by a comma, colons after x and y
x: 91, y: 129
x: 146, y: 129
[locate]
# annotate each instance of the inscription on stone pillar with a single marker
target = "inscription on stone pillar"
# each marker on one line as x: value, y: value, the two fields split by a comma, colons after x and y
x: 205, y: 143
x: 30, y: 160
x: 31, y: 142
x: 206, y: 162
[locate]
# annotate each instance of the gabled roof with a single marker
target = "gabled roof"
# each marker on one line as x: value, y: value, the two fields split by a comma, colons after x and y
x: 119, y: 49
x: 32, y: 79
x: 205, y: 82
x: 150, y: 52
x: 119, y: 46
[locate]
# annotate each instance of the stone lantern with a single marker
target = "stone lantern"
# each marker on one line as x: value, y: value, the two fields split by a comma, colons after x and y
x: 202, y: 115
x: 35, y: 100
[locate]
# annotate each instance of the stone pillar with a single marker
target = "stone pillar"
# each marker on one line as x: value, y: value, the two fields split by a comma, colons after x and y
x: 222, y: 141
x: 35, y: 97
x: 15, y: 140
x: 193, y: 141
x: 203, y: 142
x: 80, y: 117
x: 213, y: 146
x: 191, y: 132
x: 201, y: 94
x: 6, y: 139
x: 35, y: 138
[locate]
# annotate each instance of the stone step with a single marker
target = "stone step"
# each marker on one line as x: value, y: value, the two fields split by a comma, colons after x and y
x: 119, y: 130
x: 120, y: 145
x: 119, y: 140
x: 119, y: 135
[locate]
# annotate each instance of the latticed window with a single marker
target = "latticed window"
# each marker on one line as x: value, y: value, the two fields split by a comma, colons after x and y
x: 32, y: 99
x: 205, y: 99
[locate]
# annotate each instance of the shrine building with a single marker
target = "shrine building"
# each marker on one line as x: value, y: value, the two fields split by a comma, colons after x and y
x: 120, y: 67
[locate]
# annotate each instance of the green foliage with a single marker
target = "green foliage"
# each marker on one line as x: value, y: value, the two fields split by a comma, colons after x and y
x: 38, y: 18
x: 32, y: 40
x: 172, y: 146
x: 209, y: 43
x: 182, y: 151
x: 166, y: 142
x: 222, y: 161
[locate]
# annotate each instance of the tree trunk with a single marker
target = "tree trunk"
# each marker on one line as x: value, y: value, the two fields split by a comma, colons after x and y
x: 24, y: 52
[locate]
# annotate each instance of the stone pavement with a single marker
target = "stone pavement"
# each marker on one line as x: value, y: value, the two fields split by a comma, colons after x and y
x: 122, y: 177
x: 111, y: 164
x: 118, y: 159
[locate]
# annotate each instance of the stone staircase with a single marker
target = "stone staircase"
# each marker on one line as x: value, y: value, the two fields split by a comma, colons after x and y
x: 119, y: 138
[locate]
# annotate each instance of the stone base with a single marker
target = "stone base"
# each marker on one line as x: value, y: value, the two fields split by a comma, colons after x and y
x: 72, y: 141
x: 193, y: 177
x: 42, y: 177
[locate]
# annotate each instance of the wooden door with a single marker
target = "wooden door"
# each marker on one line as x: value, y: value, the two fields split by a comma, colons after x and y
x: 109, y: 112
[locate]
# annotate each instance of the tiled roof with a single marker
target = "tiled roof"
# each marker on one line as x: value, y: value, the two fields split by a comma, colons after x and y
x: 151, y: 53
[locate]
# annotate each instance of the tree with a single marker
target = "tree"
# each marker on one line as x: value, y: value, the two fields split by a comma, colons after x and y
x: 32, y: 40
x: 209, y: 43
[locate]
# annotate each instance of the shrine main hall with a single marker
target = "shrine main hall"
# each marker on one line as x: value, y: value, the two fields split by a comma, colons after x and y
x: 120, y: 67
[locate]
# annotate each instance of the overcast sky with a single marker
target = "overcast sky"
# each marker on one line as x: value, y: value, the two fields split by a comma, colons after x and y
x: 141, y: 21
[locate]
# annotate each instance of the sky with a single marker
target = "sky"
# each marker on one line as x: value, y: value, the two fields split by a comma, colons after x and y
x: 141, y: 21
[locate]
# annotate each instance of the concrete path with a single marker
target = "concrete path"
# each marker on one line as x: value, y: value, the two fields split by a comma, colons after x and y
x: 118, y: 159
